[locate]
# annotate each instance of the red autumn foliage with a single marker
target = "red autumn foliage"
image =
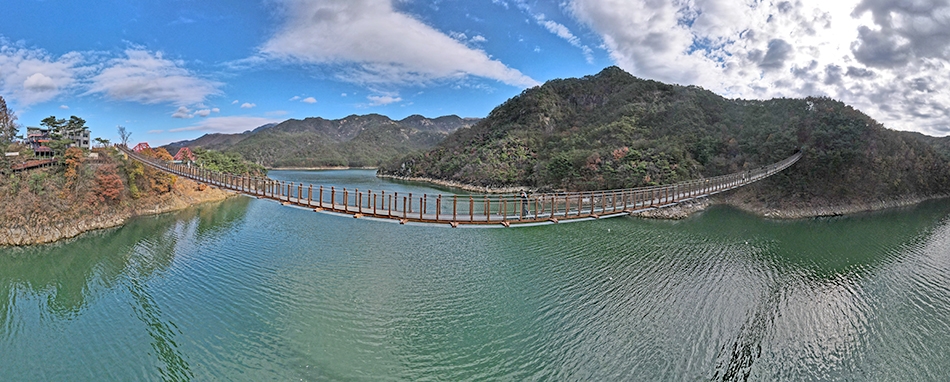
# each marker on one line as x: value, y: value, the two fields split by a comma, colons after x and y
x: 108, y: 184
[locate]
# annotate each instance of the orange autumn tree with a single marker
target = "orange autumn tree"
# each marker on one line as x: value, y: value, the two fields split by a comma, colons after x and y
x: 73, y: 159
x: 108, y: 184
x: 158, y: 181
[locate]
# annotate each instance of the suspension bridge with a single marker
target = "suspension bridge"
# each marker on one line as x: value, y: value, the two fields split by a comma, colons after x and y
x: 483, y: 210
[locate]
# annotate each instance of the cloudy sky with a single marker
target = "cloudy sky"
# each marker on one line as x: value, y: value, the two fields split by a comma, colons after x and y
x: 175, y: 69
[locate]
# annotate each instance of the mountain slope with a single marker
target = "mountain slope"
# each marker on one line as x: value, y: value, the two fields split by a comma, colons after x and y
x: 355, y: 141
x: 613, y: 130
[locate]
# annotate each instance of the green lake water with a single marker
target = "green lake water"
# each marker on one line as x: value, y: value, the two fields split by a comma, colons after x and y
x: 248, y: 289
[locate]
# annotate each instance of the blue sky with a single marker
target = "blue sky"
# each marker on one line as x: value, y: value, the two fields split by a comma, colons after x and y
x: 176, y: 69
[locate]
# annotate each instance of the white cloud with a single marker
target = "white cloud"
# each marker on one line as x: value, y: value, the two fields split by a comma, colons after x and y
x: 150, y: 79
x: 155, y: 131
x: 39, y: 82
x: 387, y: 46
x: 294, y: 98
x: 309, y: 100
x: 888, y: 59
x: 248, y: 105
x: 237, y: 124
x: 64, y: 107
x: 385, y: 99
x: 235, y: 102
x: 186, y: 113
x: 479, y: 38
x: 563, y: 32
x: 183, y: 113
x: 31, y: 76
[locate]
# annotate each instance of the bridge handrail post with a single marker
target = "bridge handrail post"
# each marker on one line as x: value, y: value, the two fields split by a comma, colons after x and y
x: 471, y: 208
x: 455, y: 200
x: 567, y: 205
x: 504, y: 213
x: 535, y: 207
x: 438, y: 206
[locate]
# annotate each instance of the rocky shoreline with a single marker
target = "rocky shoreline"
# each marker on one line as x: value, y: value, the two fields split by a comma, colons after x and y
x: 824, y: 211
x: 40, y: 229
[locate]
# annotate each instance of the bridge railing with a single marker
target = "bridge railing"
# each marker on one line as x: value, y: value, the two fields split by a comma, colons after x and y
x: 471, y: 209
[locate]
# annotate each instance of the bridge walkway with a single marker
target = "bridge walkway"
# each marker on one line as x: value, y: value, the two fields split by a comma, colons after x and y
x: 472, y: 210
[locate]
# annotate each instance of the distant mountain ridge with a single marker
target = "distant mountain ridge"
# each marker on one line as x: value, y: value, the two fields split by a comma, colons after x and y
x: 353, y: 141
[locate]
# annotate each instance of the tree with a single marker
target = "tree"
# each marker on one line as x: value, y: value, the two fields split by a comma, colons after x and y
x: 61, y: 129
x: 54, y: 125
x: 124, y: 135
x: 8, y: 125
x: 108, y: 184
x: 102, y: 142
x: 74, y: 158
x: 8, y: 131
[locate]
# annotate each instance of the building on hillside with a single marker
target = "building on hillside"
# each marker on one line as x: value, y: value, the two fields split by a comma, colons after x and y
x: 81, y: 139
x: 38, y: 137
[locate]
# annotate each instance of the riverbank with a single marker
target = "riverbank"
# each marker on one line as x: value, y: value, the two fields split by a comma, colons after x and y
x: 42, y: 222
x: 458, y: 185
x: 746, y: 201
x: 319, y: 168
x: 740, y: 199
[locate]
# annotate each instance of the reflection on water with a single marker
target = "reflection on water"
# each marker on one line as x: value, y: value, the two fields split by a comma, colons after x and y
x: 251, y: 290
x: 64, y: 278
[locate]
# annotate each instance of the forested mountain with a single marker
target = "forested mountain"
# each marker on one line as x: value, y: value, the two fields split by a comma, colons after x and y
x: 214, y: 141
x: 613, y: 130
x: 356, y: 141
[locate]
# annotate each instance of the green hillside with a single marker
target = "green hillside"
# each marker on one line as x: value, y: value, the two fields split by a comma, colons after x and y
x: 613, y: 130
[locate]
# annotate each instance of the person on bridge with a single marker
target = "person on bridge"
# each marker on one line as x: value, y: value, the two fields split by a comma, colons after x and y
x: 524, y: 204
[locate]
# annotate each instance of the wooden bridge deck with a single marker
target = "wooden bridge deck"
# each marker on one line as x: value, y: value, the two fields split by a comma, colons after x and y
x: 472, y: 210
